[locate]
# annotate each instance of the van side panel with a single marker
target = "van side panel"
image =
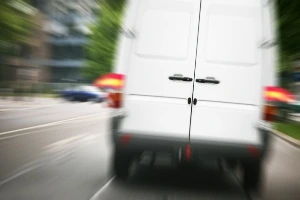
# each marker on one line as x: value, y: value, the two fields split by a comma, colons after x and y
x: 270, y: 51
x: 125, y: 42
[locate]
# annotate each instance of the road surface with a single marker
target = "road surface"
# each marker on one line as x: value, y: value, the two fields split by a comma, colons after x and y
x: 63, y: 151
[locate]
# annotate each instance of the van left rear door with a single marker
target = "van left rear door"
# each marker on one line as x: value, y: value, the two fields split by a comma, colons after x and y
x: 163, y: 54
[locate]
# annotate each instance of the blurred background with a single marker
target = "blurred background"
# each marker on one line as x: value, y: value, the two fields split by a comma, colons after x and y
x: 52, y: 52
x: 47, y: 45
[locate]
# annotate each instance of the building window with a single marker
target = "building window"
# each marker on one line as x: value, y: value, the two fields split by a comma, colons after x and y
x: 77, y: 52
x: 25, y: 51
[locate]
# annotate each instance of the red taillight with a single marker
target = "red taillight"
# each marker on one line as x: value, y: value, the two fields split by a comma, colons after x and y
x: 269, y: 113
x: 253, y: 151
x: 188, y: 152
x: 115, y: 99
x: 125, y: 139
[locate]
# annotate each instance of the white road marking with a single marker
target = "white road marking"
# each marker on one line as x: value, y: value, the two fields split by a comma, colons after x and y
x: 58, y: 151
x: 19, y: 103
x: 70, y: 147
x: 57, y: 145
x: 96, y: 195
x: 21, y: 173
x: 50, y: 124
x: 31, y: 108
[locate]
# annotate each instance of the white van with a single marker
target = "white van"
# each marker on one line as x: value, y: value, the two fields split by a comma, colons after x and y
x: 195, y: 73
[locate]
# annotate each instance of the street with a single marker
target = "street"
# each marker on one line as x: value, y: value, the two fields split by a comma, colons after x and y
x: 62, y: 150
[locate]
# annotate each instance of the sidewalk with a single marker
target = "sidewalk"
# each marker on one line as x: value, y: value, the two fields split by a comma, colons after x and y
x: 295, y: 117
x: 287, y: 138
x: 296, y: 114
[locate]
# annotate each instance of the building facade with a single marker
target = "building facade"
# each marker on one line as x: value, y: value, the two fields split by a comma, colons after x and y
x: 21, y: 67
x: 67, y: 28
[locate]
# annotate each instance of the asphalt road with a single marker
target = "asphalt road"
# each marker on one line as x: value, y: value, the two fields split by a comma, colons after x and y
x: 70, y: 160
x: 14, y: 115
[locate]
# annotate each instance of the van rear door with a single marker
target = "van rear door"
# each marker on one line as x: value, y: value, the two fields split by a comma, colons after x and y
x: 164, y: 48
x: 228, y: 72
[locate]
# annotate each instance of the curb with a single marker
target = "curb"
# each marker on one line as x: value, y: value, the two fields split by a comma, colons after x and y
x: 287, y: 138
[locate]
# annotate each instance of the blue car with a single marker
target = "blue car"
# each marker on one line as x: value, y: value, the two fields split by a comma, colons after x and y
x: 83, y: 94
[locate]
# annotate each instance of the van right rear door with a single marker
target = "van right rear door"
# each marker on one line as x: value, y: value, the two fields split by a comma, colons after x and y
x: 228, y: 74
x: 161, y: 68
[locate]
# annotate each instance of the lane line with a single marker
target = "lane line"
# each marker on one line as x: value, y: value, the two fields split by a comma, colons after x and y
x: 29, y: 169
x: 67, y: 122
x: 31, y: 108
x: 51, y: 124
x: 96, y: 195
x: 50, y: 155
x: 63, y: 142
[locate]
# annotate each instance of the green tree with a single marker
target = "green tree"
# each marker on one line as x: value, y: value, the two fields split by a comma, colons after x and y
x: 14, y: 23
x: 289, y: 37
x: 15, y: 27
x: 102, y: 45
x: 289, y: 27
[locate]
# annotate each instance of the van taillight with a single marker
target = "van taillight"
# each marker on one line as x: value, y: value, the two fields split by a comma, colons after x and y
x: 253, y: 151
x: 115, y: 100
x: 125, y: 139
x: 269, y: 113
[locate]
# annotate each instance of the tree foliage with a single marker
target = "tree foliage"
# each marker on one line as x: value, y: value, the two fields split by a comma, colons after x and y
x: 14, y: 22
x: 289, y: 38
x: 103, y: 42
x: 289, y: 27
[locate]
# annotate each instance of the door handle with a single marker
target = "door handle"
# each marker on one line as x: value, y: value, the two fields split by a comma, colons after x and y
x: 189, y: 100
x: 178, y: 78
x: 195, y: 101
x: 208, y: 80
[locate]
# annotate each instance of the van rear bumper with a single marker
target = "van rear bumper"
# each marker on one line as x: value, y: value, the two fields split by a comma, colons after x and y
x: 135, y: 143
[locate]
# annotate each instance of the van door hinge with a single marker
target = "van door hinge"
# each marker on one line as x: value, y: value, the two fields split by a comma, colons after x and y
x: 266, y: 2
x: 266, y: 44
x: 264, y: 125
x: 129, y: 33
